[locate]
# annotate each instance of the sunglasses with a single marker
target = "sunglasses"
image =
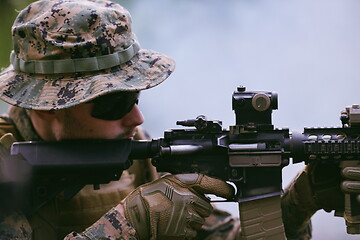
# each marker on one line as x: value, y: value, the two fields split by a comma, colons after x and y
x: 114, y: 106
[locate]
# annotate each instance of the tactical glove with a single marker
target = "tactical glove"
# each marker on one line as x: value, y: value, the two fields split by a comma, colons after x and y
x: 173, y: 206
x: 351, y: 186
x: 352, y: 182
x: 316, y: 187
x: 325, y: 183
x: 329, y: 182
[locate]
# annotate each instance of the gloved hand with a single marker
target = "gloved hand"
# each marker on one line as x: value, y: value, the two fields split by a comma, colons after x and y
x: 351, y: 186
x: 352, y: 182
x: 325, y: 183
x: 173, y: 206
x: 316, y: 187
x: 330, y: 182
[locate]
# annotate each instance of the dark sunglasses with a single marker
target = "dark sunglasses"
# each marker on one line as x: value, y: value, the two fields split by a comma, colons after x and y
x: 114, y: 106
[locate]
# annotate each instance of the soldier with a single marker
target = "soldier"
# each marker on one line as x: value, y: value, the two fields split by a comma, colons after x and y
x: 76, y: 72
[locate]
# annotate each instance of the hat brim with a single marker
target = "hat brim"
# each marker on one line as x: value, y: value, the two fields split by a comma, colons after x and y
x: 51, y: 92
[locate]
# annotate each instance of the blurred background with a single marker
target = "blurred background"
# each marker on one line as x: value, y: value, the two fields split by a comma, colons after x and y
x: 306, y: 51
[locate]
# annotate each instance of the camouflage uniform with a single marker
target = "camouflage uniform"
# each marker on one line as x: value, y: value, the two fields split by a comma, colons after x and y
x: 68, y: 52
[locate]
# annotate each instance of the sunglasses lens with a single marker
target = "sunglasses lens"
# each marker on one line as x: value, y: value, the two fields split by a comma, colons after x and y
x: 114, y: 106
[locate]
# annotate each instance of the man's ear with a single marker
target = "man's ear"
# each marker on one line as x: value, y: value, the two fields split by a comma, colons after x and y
x: 44, y: 123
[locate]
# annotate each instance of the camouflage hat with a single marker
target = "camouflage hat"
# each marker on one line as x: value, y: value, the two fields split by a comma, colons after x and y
x: 68, y: 52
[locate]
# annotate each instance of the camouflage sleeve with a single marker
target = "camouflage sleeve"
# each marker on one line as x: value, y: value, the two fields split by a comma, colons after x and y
x: 15, y: 226
x: 297, y: 208
x: 220, y: 225
x: 110, y: 226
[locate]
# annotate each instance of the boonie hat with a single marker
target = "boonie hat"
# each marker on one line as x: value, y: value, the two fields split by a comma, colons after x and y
x: 68, y: 52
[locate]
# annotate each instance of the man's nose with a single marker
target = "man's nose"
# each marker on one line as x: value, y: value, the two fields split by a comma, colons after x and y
x: 133, y: 118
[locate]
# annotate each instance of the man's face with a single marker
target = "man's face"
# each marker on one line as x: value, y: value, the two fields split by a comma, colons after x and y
x: 77, y: 122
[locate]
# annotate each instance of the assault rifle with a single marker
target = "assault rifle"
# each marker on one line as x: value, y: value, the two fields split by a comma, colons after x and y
x: 250, y: 154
